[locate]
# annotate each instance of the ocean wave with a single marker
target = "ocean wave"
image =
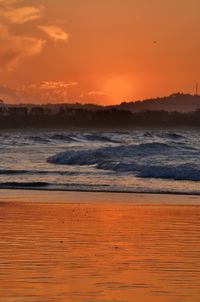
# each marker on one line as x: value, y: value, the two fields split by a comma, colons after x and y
x: 62, y: 137
x: 72, y: 137
x: 132, y: 161
x: 171, y: 135
x: 164, y: 135
x: 81, y: 158
x: 154, y: 147
x: 142, y: 160
x: 91, y: 157
x: 182, y: 172
x: 23, y: 185
x: 54, y: 186
x: 35, y: 172
x: 98, y: 138
x: 39, y: 139
x: 174, y: 136
x: 45, y: 186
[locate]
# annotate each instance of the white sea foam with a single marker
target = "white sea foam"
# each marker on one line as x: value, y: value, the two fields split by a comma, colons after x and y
x: 146, y: 160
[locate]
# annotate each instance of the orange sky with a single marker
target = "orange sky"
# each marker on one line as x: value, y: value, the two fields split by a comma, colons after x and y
x: 102, y: 51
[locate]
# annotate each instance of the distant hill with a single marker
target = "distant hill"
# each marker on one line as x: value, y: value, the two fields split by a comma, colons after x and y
x: 179, y: 102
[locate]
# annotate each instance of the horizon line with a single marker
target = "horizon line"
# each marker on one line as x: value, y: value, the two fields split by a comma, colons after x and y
x: 2, y: 102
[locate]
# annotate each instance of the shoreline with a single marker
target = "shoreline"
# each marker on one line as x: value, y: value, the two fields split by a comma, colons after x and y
x: 80, y: 197
x: 49, y: 189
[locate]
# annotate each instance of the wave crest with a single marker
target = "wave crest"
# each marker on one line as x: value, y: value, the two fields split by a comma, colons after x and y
x: 142, y: 160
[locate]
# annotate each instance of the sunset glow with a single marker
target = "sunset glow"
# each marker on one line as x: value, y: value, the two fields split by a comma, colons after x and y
x: 99, y: 150
x: 103, y: 52
x: 118, y: 87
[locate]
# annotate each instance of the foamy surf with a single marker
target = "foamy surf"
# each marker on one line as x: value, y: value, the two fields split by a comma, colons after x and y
x: 127, y: 161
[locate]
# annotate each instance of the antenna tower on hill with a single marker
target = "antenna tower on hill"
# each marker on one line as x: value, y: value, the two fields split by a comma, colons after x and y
x: 196, y: 88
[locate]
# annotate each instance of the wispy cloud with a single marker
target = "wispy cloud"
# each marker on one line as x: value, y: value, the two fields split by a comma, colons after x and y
x: 47, y: 91
x: 95, y: 93
x: 14, y: 49
x: 55, y: 32
x: 24, y: 14
x: 51, y: 85
x: 41, y: 92
x: 4, y: 3
x: 94, y: 96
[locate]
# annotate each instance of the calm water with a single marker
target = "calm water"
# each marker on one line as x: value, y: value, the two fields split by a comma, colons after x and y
x: 134, y: 161
x: 99, y: 252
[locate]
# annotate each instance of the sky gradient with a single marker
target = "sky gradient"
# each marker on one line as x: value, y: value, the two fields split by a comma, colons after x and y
x: 100, y: 51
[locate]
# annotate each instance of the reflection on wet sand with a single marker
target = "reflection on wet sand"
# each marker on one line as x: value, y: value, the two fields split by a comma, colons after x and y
x: 93, y: 252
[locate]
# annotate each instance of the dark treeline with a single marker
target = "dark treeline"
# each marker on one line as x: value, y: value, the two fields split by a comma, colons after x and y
x: 22, y: 117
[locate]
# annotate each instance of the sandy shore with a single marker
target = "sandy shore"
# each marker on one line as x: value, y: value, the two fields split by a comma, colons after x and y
x: 96, y: 197
x: 99, y: 247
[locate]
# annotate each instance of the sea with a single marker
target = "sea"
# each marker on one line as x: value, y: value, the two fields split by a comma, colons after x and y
x: 144, y: 161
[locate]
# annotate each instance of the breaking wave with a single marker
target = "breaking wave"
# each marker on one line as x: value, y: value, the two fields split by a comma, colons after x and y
x: 181, y: 172
x: 90, y: 157
x: 122, y: 161
x: 142, y: 160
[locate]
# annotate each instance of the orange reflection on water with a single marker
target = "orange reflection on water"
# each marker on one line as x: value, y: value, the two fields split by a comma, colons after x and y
x: 99, y: 252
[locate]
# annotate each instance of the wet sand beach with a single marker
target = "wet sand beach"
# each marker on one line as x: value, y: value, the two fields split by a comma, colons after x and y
x: 99, y: 247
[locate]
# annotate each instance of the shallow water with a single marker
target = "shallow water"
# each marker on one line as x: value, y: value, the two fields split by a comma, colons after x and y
x: 159, y: 161
x: 92, y: 252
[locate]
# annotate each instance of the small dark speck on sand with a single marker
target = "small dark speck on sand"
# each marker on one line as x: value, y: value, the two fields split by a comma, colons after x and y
x: 61, y: 241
